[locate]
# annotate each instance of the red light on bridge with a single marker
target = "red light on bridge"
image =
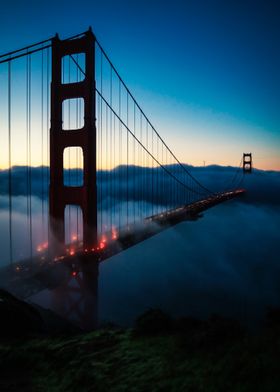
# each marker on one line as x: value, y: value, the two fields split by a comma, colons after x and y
x: 102, y: 245
x: 72, y: 252
x: 42, y: 246
x: 74, y: 273
x: 114, y: 234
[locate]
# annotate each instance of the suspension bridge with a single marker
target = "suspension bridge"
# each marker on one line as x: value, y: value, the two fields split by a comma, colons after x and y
x: 85, y: 174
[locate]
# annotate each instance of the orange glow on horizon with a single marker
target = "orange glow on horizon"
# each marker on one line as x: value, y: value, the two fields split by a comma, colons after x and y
x: 260, y: 163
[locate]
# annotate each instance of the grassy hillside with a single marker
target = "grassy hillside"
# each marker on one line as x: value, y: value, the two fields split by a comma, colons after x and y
x: 185, y: 355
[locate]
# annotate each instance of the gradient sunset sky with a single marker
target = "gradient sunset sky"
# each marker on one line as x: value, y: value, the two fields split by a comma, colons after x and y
x: 206, y: 73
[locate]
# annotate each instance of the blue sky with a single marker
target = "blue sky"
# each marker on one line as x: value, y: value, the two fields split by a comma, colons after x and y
x: 205, y: 72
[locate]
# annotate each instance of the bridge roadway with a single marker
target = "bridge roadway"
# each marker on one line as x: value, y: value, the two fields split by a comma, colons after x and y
x: 27, y: 277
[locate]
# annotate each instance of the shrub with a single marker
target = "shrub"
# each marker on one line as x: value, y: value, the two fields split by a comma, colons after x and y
x: 153, y: 322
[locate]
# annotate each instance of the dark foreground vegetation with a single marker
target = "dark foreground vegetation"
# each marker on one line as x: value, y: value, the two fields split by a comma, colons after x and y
x: 158, y: 354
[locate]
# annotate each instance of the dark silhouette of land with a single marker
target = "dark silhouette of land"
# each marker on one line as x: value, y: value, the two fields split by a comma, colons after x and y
x: 158, y: 354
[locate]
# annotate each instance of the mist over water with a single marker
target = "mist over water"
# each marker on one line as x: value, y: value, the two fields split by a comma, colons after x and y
x: 21, y: 229
x: 226, y: 262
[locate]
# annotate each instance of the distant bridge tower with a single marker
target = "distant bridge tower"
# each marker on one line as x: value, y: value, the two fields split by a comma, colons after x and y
x: 61, y: 195
x: 247, y: 162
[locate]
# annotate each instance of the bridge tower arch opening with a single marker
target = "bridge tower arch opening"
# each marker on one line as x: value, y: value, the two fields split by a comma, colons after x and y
x: 61, y: 195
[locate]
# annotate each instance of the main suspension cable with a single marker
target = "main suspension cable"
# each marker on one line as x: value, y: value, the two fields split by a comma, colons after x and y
x: 138, y: 141
x: 103, y: 53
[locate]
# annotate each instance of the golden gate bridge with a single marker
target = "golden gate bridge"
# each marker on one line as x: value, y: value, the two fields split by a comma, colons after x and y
x: 104, y: 177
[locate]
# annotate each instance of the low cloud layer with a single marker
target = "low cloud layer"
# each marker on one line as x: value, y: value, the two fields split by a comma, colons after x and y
x: 226, y: 262
x: 262, y: 186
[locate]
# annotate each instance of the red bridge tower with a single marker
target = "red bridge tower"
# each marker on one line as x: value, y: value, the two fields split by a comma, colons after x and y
x: 247, y: 162
x: 61, y: 195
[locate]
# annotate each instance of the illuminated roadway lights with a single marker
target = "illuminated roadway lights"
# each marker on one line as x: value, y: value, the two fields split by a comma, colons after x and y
x: 42, y: 247
x: 72, y: 251
x: 114, y: 234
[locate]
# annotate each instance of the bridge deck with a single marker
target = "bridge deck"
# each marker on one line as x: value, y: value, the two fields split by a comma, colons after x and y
x: 27, y: 277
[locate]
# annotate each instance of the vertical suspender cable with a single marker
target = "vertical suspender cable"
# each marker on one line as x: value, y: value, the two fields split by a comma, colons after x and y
x: 69, y: 156
x: 106, y: 174
x: 98, y: 159
x: 42, y: 142
x: 148, y: 176
x: 120, y: 159
x: 101, y: 152
x: 152, y: 172
x: 110, y: 158
x: 166, y: 181
x: 10, y: 165
x: 157, y: 168
x: 127, y: 157
x: 111, y: 152
x: 134, y: 169
x: 80, y: 162
x: 27, y: 152
x: 77, y: 153
x: 48, y: 134
x: 30, y: 157
x: 141, y: 171
x: 114, y: 173
x: 162, y: 180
